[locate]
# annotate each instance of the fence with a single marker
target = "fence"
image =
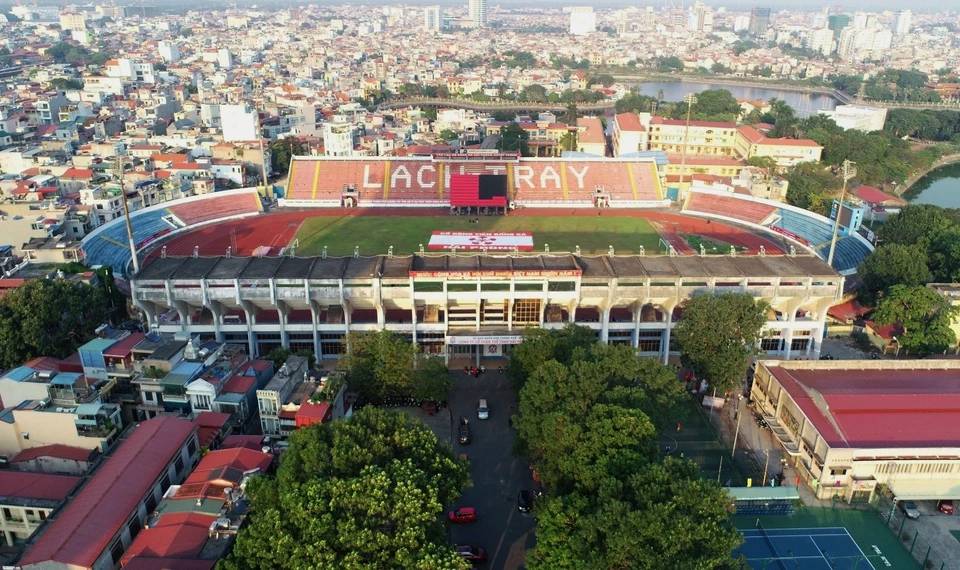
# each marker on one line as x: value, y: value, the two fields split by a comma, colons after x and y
x: 919, y: 546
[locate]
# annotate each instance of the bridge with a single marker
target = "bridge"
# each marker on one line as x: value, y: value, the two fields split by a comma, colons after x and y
x: 493, y: 105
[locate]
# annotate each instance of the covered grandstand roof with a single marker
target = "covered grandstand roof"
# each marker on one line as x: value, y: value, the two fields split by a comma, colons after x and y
x: 317, y: 268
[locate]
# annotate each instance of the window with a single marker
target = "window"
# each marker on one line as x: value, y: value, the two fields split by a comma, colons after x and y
x: 151, y: 503
x: 116, y: 552
x: 192, y: 447
x: 134, y: 527
x: 178, y: 464
x: 165, y: 483
x: 526, y: 311
x: 561, y: 286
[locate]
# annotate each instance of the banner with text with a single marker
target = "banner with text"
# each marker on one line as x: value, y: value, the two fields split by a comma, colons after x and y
x: 476, y: 241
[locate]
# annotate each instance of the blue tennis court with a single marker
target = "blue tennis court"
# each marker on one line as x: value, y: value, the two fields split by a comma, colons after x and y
x: 830, y: 548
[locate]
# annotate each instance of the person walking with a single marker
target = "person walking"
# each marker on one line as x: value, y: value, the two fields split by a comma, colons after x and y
x: 679, y: 426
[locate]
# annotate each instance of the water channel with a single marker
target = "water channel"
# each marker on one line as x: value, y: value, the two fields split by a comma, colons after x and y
x: 805, y: 104
x: 940, y: 187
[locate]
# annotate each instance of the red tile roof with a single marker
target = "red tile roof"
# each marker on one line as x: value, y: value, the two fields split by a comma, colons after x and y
x: 239, y: 385
x: 750, y: 133
x: 77, y: 174
x: 878, y: 408
x: 175, y: 534
x: 42, y: 486
x: 847, y: 311
x: 85, y: 528
x: 56, y: 451
x: 872, y: 195
x: 254, y: 442
x: 629, y: 122
x: 124, y: 346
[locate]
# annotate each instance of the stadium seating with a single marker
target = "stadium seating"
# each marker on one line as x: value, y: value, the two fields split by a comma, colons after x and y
x: 301, y: 180
x: 215, y: 208
x: 809, y: 228
x: 111, y: 245
x: 730, y: 207
x: 848, y: 255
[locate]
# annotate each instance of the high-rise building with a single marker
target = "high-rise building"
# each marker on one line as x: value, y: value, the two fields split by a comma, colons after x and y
x: 759, y: 21
x: 583, y: 20
x: 860, y: 20
x: 478, y: 13
x: 821, y: 40
x: 700, y: 18
x: 432, y: 18
x: 902, y: 19
x: 169, y: 52
x: 837, y: 23
x: 240, y: 123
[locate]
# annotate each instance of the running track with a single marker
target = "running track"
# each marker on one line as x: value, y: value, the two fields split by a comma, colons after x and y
x: 278, y: 229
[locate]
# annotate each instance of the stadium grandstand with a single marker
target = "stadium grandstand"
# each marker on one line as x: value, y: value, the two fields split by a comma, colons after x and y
x: 531, y: 182
x: 109, y: 244
x: 806, y: 229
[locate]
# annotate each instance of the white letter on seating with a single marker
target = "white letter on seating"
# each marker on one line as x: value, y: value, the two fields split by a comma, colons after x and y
x: 549, y: 173
x: 397, y: 176
x: 496, y: 168
x: 524, y: 174
x: 420, y: 181
x: 366, y: 178
x: 579, y: 175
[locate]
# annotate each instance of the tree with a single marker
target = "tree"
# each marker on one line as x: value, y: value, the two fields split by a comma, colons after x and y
x: 63, y: 83
x: 718, y: 334
x: 359, y: 493
x: 569, y: 141
x: 282, y: 152
x: 711, y: 105
x: 541, y: 345
x: 604, y: 79
x: 534, y: 93
x: 661, y: 516
x: 922, y: 317
x: 891, y: 264
x: 431, y: 380
x: 514, y: 138
x: 672, y: 63
x: 448, y: 135
x: 571, y: 115
x: 48, y: 317
x: 767, y: 162
x: 915, y: 225
x: 379, y: 364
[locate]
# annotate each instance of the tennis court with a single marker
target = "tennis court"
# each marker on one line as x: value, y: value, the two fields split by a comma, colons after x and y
x: 830, y: 548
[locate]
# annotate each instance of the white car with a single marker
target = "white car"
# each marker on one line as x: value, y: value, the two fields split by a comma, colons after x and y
x: 483, y: 412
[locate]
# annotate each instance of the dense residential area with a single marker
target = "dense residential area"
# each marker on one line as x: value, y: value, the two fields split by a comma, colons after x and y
x: 506, y: 285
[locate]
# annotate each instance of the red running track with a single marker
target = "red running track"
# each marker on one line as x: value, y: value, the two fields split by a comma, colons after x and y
x: 277, y: 230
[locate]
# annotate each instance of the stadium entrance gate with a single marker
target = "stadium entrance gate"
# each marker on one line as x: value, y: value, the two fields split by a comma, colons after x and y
x: 480, y: 347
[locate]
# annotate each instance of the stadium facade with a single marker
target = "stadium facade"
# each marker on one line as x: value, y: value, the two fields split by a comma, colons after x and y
x: 475, y: 306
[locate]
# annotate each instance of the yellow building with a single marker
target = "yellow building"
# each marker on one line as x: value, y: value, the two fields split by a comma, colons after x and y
x: 785, y: 152
x: 706, y: 138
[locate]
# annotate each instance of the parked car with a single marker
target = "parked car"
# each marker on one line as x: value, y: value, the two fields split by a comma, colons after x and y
x: 945, y: 506
x: 524, y: 501
x: 472, y: 553
x: 483, y: 412
x: 462, y: 515
x: 464, y: 434
x: 910, y: 509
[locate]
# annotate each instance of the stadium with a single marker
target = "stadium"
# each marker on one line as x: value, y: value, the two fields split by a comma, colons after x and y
x: 460, y: 252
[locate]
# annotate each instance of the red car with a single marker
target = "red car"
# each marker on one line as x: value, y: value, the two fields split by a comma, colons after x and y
x: 472, y: 553
x: 463, y: 515
x: 945, y: 507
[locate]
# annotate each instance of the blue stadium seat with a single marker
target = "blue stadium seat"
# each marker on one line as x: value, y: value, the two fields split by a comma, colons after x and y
x: 814, y: 231
x: 110, y: 247
x: 848, y: 255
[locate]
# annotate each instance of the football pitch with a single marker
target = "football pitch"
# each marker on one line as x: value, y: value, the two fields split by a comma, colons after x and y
x: 375, y: 234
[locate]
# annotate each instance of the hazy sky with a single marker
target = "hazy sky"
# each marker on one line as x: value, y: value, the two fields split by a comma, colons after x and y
x: 736, y: 5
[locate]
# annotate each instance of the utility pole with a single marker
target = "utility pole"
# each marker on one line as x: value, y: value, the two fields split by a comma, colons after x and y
x: 849, y: 171
x: 120, y: 165
x: 690, y: 99
x: 765, y: 466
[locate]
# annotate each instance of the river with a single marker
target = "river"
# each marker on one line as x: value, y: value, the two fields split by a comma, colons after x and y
x: 805, y: 104
x: 940, y: 187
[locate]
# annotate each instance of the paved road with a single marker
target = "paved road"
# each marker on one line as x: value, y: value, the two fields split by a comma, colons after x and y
x: 497, y: 475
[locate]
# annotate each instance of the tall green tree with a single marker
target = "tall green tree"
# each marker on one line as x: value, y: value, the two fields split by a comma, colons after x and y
x: 891, y: 264
x: 915, y: 225
x: 661, y: 516
x: 360, y: 493
x: 48, y: 317
x: 283, y: 150
x: 542, y: 345
x: 534, y: 93
x: 514, y: 138
x: 718, y: 335
x: 922, y: 316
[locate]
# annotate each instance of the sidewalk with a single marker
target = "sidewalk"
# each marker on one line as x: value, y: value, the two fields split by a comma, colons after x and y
x: 753, y: 442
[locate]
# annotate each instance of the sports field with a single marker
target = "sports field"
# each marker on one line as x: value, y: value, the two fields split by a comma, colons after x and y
x: 696, y: 440
x: 374, y: 234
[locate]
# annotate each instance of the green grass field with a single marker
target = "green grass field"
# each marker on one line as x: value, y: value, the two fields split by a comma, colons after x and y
x: 374, y: 234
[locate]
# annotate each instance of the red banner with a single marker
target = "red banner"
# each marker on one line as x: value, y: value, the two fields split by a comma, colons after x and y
x: 790, y: 235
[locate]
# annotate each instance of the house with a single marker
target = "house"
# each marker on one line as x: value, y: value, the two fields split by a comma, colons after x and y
x: 54, y: 458
x: 590, y: 137
x: 27, y: 499
x: 283, y: 395
x: 849, y: 427
x: 102, y: 521
x: 705, y: 138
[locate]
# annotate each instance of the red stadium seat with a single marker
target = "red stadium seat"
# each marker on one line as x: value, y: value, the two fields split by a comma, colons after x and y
x: 730, y: 207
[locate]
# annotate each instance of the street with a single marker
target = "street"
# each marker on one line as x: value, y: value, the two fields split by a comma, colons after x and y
x: 497, y: 475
